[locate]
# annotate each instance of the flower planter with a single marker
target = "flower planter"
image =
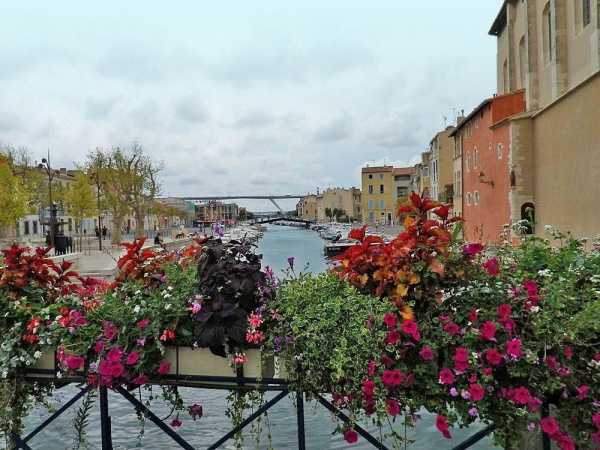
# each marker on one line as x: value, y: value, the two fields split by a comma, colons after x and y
x: 201, y: 366
x: 45, y: 367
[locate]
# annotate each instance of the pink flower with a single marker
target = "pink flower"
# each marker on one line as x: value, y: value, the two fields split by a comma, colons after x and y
x: 427, y: 354
x: 196, y: 411
x: 389, y: 319
x: 461, y: 354
x: 133, y: 357
x: 143, y: 323
x: 596, y: 419
x: 140, y: 379
x: 521, y: 396
x: 451, y: 328
x: 442, y: 424
x: 392, y: 337
x: 114, y: 354
x: 369, y: 387
x: 175, y: 423
x: 350, y: 436
x: 488, y: 329
x: 141, y: 342
x: 74, y: 362
x: 472, y: 315
x: 446, y: 376
x: 549, y: 426
x: 582, y: 392
x: 99, y: 347
x: 476, y: 392
x: 164, y: 368
x: 492, y: 266
x: 255, y: 320
x: 493, y: 357
x: 240, y: 358
x: 110, y: 331
x: 568, y: 352
x: 409, y: 327
x: 387, y: 361
x: 392, y: 406
x: 392, y: 378
x: 504, y: 311
x: 514, y: 348
x: 371, y: 368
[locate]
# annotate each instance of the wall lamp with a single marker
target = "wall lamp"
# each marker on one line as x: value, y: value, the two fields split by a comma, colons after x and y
x: 482, y: 179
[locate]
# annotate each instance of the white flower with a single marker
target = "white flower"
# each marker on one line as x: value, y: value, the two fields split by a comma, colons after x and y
x: 5, y: 374
x: 544, y: 273
x: 168, y: 306
x: 170, y: 288
x: 534, y: 309
x: 58, y: 375
x: 136, y: 309
x: 37, y: 355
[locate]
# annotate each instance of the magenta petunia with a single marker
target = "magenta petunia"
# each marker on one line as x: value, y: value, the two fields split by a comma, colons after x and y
x: 392, y: 337
x: 389, y: 319
x: 461, y: 354
x: 488, y: 329
x: 549, y: 426
x: 504, y: 311
x: 477, y: 392
x: 110, y: 331
x: 427, y: 354
x: 451, y: 328
x: 521, y: 395
x: 369, y: 387
x: 74, y: 362
x: 513, y: 348
x: 392, y: 406
x: 140, y: 379
x: 133, y: 357
x: 114, y: 354
x: 409, y: 327
x: 350, y: 436
x: 492, y: 266
x: 164, y: 368
x: 392, y: 378
x: 493, y: 357
x: 143, y: 323
x: 175, y: 423
x: 442, y: 424
x: 446, y: 376
x: 472, y: 315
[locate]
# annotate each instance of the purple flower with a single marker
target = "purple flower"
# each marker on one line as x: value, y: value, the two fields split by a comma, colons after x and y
x: 473, y: 412
x: 291, y: 262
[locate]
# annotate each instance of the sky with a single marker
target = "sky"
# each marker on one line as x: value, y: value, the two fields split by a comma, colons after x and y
x: 269, y: 97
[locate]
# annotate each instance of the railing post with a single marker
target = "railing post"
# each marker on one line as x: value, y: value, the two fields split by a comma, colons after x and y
x: 300, y: 420
x: 105, y: 430
x: 545, y: 413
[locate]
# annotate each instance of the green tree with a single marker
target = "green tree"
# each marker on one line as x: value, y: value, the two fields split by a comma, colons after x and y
x: 14, y: 197
x: 80, y: 201
x: 328, y: 213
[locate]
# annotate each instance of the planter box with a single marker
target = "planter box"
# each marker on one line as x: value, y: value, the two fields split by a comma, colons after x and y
x: 200, y: 365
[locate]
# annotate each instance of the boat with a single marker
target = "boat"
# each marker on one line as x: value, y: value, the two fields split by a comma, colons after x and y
x: 338, y: 247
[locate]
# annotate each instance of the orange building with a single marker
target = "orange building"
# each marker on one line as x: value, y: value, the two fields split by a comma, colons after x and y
x: 483, y: 137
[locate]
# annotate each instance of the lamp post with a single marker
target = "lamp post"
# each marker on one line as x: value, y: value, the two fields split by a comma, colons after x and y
x: 481, y: 177
x: 96, y: 179
x: 45, y: 165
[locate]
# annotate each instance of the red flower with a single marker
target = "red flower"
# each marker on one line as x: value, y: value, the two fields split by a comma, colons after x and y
x: 492, y: 266
x: 427, y: 354
x: 488, y: 330
x: 389, y: 319
x: 369, y: 387
x: 549, y: 426
x: 74, y: 362
x: 521, y: 396
x: 442, y: 424
x: 110, y: 331
x: 451, y: 328
x: 461, y: 354
x: 472, y: 315
x: 392, y: 378
x: 164, y: 368
x: 175, y: 423
x: 350, y: 436
x: 143, y: 323
x: 493, y: 357
x: 140, y: 379
x: 476, y: 392
x: 114, y: 355
x: 504, y: 311
x: 410, y: 327
x: 133, y: 357
x: 514, y: 348
x: 392, y: 406
x: 392, y: 337
x: 446, y: 376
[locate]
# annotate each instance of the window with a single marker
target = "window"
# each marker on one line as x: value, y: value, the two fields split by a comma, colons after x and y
x: 402, y: 192
x: 468, y: 130
x: 26, y: 230
x: 35, y: 227
x: 468, y: 198
x: 582, y: 14
x: 468, y: 162
x: 505, y: 78
x: 476, y: 198
x: 476, y: 122
x: 499, y: 151
x: 371, y: 189
x: 381, y: 176
x: 547, y: 33
x: 475, y: 152
x: 370, y: 176
x: 381, y: 204
x: 381, y: 189
x: 586, y: 12
x: 522, y: 60
x: 371, y: 205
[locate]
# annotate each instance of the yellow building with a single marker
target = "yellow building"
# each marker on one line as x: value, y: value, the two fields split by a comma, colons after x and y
x: 345, y: 200
x: 307, y: 207
x: 377, y: 202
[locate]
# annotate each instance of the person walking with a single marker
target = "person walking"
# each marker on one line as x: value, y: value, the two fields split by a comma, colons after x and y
x: 104, y: 232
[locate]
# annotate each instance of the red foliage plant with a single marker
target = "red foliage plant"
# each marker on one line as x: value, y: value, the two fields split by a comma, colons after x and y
x: 407, y: 267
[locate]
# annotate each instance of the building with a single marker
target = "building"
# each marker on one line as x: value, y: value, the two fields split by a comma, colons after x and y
x: 441, y: 154
x: 307, y: 207
x: 402, y: 184
x: 340, y: 199
x: 378, y: 199
x: 549, y: 48
x: 421, y: 180
x: 482, y: 138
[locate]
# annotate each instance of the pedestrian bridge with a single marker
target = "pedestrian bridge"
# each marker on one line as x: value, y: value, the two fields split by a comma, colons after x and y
x: 272, y: 198
x: 260, y: 220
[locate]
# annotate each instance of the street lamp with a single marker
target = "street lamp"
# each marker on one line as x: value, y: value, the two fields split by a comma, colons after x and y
x: 481, y: 177
x: 45, y: 165
x: 96, y: 178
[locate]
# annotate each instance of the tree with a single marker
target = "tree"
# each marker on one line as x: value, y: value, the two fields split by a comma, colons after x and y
x: 328, y: 213
x: 81, y: 201
x: 14, y: 196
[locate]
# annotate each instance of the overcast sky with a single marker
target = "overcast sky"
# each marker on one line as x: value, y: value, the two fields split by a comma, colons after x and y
x: 243, y: 97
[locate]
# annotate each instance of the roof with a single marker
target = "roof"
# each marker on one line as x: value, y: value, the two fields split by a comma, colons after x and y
x: 480, y: 107
x: 499, y: 21
x: 403, y: 170
x: 377, y: 169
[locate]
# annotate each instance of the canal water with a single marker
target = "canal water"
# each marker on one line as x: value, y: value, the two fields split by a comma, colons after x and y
x: 278, y: 244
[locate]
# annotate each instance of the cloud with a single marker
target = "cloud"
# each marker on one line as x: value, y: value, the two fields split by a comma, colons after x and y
x: 335, y: 129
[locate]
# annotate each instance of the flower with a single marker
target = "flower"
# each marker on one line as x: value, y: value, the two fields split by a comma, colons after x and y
x: 350, y: 436
x: 195, y: 411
